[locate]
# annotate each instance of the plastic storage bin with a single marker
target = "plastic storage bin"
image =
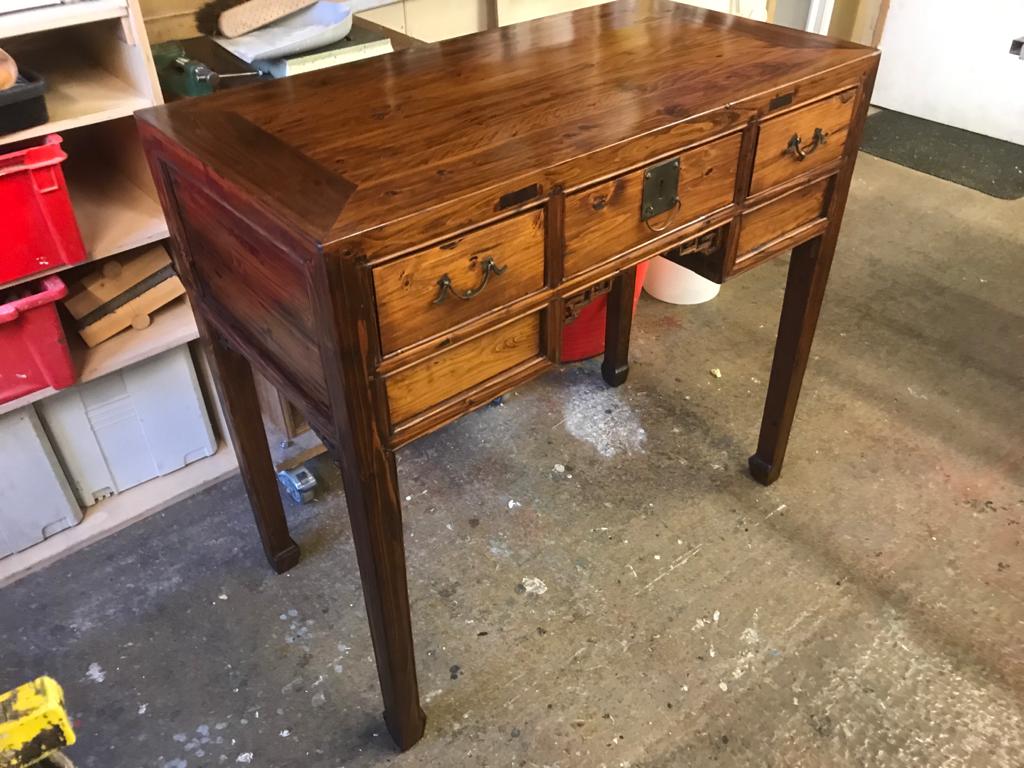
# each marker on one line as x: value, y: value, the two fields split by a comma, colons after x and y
x: 33, y: 349
x: 35, y: 498
x: 129, y: 426
x: 39, y: 227
x: 584, y: 336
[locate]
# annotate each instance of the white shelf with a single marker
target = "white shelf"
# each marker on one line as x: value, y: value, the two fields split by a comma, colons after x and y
x: 58, y: 16
x: 119, y: 511
x: 171, y: 327
x: 80, y: 92
x: 113, y: 214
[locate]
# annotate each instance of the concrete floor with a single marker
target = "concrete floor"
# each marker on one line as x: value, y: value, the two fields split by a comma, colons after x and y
x: 866, y: 610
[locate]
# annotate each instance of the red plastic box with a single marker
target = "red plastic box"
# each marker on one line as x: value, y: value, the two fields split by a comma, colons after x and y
x: 584, y: 336
x: 33, y: 349
x: 39, y: 227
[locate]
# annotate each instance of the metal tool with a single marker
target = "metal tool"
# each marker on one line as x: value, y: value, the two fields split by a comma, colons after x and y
x: 299, y: 484
x: 184, y: 76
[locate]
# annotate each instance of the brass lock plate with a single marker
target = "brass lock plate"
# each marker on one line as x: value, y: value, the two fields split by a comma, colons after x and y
x: 661, y: 186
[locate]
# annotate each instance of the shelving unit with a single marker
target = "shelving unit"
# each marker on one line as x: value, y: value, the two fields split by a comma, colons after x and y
x: 95, y: 57
x: 114, y: 215
x: 171, y: 327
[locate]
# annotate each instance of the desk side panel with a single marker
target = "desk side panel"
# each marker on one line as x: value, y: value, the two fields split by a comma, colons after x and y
x: 247, y: 278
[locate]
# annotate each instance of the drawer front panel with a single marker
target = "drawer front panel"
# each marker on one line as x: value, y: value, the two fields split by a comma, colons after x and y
x: 414, y: 389
x: 821, y: 128
x: 604, y: 221
x: 778, y: 218
x: 409, y: 295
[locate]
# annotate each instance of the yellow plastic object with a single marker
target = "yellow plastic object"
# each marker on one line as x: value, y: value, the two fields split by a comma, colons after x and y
x: 33, y: 723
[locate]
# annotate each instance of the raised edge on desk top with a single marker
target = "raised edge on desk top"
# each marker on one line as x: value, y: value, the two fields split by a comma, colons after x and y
x: 342, y: 150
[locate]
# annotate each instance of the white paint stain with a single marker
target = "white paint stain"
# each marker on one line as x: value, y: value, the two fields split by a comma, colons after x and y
x: 723, y: 686
x: 559, y: 468
x: 598, y: 415
x: 750, y: 636
x: 245, y: 757
x: 534, y: 586
x: 143, y: 708
x: 716, y: 616
x: 96, y: 673
x: 512, y: 504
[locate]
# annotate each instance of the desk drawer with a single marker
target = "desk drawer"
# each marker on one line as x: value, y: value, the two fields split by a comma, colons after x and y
x: 421, y: 386
x: 485, y: 270
x: 604, y: 221
x: 821, y: 129
x: 763, y: 225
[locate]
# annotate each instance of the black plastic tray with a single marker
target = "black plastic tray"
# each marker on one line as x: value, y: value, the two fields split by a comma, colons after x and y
x: 23, y: 104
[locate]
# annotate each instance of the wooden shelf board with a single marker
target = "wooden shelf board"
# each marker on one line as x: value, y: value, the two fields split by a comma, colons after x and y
x: 58, y: 16
x: 79, y: 92
x: 113, y: 214
x: 172, y: 326
x: 117, y: 512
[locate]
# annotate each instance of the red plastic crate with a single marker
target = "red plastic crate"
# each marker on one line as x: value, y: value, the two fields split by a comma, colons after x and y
x: 584, y: 336
x: 39, y: 229
x: 33, y: 349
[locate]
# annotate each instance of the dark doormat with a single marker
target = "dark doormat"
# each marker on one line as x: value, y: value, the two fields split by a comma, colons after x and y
x: 992, y: 166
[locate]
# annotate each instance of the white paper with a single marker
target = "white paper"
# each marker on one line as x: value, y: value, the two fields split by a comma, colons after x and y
x: 322, y: 24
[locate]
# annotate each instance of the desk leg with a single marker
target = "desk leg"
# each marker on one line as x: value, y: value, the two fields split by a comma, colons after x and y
x: 805, y: 287
x: 237, y: 389
x: 619, y: 321
x: 371, y: 491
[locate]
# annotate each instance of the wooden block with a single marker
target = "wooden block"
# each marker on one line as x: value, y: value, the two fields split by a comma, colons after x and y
x: 123, y: 294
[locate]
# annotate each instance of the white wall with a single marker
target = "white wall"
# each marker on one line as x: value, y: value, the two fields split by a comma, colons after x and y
x: 949, y: 61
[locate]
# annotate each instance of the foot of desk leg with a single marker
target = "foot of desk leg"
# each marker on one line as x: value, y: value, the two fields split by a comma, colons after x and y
x: 376, y: 514
x: 237, y: 390
x: 805, y: 288
x: 765, y: 474
x: 615, y: 367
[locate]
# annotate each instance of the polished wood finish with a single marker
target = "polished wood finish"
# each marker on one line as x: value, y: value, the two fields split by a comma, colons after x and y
x: 311, y: 232
x: 603, y: 222
x: 761, y: 226
x: 446, y: 374
x: 407, y: 289
x: 774, y: 163
x: 237, y: 390
x: 618, y: 322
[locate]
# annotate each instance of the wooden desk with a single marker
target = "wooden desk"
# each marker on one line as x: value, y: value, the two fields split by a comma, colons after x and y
x: 396, y: 242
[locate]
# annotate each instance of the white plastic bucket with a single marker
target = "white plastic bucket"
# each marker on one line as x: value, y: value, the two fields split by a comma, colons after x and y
x: 673, y: 284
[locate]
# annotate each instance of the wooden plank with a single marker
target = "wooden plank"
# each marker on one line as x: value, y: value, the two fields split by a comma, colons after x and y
x: 58, y: 16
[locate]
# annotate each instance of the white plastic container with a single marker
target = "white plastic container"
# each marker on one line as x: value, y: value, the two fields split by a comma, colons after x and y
x: 130, y: 426
x: 35, y: 498
x: 668, y: 282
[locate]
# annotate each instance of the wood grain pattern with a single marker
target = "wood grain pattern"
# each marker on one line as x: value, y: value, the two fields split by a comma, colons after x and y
x: 301, y: 222
x: 407, y: 288
x: 604, y: 221
x: 778, y: 217
x: 266, y: 296
x: 416, y: 388
x: 773, y: 164
x: 427, y: 126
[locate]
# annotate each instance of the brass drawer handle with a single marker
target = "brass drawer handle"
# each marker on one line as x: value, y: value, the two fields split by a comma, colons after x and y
x: 444, y: 283
x: 798, y: 152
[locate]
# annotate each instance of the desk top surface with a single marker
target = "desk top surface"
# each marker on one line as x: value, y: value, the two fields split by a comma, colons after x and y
x: 341, y: 150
